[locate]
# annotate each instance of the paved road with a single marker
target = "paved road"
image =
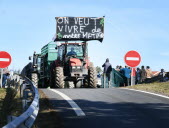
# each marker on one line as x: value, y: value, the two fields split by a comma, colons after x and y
x: 111, y: 108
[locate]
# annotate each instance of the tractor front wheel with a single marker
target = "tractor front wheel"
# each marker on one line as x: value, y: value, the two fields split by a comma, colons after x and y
x: 92, y: 80
x: 34, y: 77
x: 59, y: 77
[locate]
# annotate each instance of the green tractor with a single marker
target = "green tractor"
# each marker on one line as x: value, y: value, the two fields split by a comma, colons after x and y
x: 40, y: 73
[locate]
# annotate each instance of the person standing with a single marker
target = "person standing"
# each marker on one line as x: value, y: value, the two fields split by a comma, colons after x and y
x: 138, y: 75
x: 107, y: 70
x: 162, y: 74
x: 5, y: 76
x: 143, y: 74
x: 117, y: 68
x: 127, y: 73
x: 120, y: 67
x: 149, y: 74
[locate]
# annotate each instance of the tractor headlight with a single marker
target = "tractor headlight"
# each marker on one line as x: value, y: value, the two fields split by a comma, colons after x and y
x: 73, y: 67
x: 78, y: 67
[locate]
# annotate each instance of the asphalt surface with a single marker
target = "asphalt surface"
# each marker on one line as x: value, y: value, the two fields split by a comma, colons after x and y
x: 111, y: 108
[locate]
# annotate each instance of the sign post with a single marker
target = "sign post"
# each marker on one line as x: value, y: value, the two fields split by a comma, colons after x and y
x: 1, y: 76
x: 132, y: 59
x: 133, y: 76
x: 5, y: 60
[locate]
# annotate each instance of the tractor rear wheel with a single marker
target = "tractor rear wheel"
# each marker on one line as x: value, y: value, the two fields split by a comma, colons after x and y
x: 34, y: 77
x: 59, y: 77
x: 92, y: 80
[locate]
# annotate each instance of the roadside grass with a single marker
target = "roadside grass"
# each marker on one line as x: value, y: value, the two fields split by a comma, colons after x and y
x: 47, y: 116
x: 159, y: 88
x: 2, y: 96
x: 10, y: 104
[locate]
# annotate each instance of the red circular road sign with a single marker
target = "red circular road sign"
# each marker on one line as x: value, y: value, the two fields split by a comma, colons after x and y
x: 5, y: 59
x: 132, y: 58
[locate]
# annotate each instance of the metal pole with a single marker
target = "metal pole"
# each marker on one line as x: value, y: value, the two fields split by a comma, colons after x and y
x: 1, y: 76
x: 133, y: 76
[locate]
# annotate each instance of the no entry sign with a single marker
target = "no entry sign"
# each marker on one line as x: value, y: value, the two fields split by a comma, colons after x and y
x: 132, y: 58
x: 5, y: 59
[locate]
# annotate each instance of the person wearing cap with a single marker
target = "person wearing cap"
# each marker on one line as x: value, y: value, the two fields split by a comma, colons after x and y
x: 72, y: 52
x: 107, y: 70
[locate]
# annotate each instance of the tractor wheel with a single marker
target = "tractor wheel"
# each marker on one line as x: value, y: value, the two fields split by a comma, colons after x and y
x: 34, y: 77
x: 92, y: 80
x: 59, y: 77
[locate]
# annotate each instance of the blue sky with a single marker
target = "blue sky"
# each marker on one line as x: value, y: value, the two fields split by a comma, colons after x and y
x: 142, y: 25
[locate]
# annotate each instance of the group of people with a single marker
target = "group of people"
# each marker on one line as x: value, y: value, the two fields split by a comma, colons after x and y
x: 126, y: 71
x: 142, y: 74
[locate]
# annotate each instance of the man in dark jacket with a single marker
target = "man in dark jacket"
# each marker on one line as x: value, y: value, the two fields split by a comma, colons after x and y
x: 107, y: 70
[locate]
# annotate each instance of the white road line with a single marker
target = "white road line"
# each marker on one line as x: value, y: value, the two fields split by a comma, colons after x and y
x: 147, y: 93
x: 4, y: 59
x: 132, y: 58
x: 75, y: 107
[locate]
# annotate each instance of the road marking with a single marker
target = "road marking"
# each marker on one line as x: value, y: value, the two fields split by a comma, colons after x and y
x: 75, y: 107
x: 132, y: 58
x: 147, y: 93
x: 4, y: 59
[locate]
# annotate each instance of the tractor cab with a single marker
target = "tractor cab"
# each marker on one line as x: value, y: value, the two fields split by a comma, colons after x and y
x: 76, y: 50
x: 73, y: 58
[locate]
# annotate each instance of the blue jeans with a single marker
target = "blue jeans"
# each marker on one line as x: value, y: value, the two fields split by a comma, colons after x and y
x: 4, y: 80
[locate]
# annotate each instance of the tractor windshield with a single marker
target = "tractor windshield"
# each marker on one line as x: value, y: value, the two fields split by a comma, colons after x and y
x: 75, y: 49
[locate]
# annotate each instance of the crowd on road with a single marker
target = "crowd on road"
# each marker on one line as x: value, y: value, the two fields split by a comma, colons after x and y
x: 142, y: 75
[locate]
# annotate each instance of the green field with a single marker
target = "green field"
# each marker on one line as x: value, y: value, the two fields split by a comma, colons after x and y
x: 160, y: 88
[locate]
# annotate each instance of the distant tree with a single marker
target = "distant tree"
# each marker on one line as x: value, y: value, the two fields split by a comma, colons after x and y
x: 98, y: 69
